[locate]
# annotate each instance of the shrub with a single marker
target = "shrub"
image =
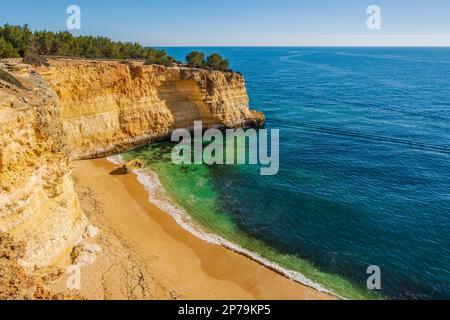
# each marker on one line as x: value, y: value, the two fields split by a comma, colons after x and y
x: 164, y: 61
x: 7, y: 50
x: 19, y: 37
x: 20, y: 41
x: 34, y: 59
x: 216, y: 62
x: 195, y: 59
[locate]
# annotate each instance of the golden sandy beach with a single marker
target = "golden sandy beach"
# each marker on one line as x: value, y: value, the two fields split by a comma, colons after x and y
x: 147, y: 255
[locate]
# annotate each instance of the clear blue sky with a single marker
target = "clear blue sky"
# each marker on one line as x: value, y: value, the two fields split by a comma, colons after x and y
x: 243, y: 22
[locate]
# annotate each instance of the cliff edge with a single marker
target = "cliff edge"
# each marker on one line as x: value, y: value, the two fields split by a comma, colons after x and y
x: 107, y: 107
x: 77, y: 109
x: 38, y: 203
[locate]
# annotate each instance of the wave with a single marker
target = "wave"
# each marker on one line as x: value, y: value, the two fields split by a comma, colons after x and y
x: 295, y: 54
x: 332, y: 70
x: 352, y: 103
x: 365, y: 136
x: 405, y: 111
x: 157, y: 196
x: 391, y: 57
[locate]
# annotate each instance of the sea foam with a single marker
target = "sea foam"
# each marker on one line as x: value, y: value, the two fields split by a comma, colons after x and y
x: 157, y: 196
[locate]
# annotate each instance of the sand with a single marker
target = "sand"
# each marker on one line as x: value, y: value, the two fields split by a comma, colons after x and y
x: 147, y: 255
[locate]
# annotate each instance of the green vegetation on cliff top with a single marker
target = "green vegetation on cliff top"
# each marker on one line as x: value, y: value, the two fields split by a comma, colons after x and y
x: 196, y: 59
x: 20, y: 41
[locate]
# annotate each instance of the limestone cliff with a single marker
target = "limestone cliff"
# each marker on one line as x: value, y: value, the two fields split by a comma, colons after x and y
x: 38, y: 204
x: 76, y: 109
x: 107, y: 107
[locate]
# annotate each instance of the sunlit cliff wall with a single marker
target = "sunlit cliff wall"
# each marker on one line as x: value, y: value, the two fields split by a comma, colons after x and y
x: 38, y: 203
x: 76, y: 109
x: 108, y: 107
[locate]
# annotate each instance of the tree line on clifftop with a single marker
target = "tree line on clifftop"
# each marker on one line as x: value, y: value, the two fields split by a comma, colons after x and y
x: 32, y: 46
x: 196, y: 59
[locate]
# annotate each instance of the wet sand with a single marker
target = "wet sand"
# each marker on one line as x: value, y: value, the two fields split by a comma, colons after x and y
x: 174, y: 264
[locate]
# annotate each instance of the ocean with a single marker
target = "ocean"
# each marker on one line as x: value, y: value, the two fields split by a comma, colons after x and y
x: 364, y: 169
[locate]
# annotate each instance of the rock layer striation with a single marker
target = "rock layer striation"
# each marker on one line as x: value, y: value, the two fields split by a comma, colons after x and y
x: 78, y: 109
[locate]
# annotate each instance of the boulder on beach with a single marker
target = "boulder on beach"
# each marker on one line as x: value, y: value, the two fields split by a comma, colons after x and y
x: 132, y: 165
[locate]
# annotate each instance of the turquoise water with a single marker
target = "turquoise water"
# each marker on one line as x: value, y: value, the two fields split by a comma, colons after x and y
x: 364, y: 168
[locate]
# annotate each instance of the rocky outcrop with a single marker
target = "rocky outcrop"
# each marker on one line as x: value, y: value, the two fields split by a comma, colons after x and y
x: 15, y: 282
x: 108, y: 107
x: 75, y: 109
x: 132, y: 165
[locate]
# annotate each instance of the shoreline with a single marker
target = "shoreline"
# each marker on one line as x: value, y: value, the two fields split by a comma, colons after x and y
x: 172, y: 254
x: 150, y: 181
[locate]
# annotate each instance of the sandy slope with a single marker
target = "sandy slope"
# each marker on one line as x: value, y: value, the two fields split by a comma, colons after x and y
x: 147, y: 255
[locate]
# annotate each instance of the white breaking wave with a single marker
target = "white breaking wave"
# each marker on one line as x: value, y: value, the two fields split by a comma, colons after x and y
x: 157, y: 196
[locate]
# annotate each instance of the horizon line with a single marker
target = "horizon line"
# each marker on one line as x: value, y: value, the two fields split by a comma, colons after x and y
x: 298, y: 46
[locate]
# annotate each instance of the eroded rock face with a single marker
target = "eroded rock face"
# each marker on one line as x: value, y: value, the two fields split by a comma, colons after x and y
x: 77, y: 109
x: 38, y: 203
x: 108, y: 107
x: 15, y: 283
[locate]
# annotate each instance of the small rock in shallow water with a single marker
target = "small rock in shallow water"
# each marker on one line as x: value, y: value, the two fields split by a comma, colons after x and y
x: 132, y: 165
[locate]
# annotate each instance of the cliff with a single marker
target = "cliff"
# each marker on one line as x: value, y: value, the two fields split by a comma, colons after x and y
x: 38, y: 204
x: 75, y: 109
x: 107, y: 107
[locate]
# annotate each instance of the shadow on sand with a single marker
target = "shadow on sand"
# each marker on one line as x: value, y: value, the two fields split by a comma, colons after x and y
x: 119, y: 172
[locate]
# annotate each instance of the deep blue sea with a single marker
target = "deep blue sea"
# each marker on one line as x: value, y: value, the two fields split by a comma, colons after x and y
x: 364, y: 167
